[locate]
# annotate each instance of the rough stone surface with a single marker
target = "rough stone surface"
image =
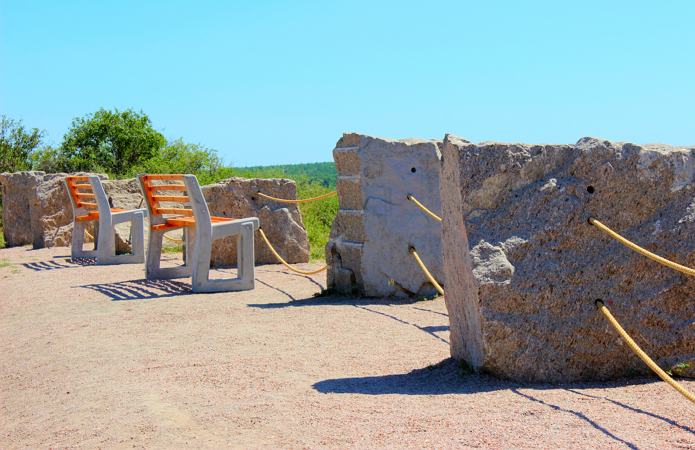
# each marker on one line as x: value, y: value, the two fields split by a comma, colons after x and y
x: 281, y: 222
x: 376, y: 224
x: 37, y: 210
x: 16, y: 213
x: 125, y: 194
x: 539, y: 265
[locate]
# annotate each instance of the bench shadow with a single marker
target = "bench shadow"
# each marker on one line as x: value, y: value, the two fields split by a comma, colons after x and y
x: 64, y: 263
x: 140, y: 289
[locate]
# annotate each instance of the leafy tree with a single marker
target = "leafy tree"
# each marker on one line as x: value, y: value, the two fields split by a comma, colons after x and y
x: 109, y: 141
x: 180, y: 157
x: 17, y: 144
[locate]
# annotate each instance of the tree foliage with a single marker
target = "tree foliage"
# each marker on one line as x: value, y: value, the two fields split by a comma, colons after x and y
x: 180, y: 157
x: 17, y: 143
x: 109, y: 141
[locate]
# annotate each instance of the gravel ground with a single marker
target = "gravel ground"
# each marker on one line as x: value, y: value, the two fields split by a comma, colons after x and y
x: 97, y: 357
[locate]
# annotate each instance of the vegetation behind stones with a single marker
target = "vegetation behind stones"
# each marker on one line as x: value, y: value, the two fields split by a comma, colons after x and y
x: 123, y: 144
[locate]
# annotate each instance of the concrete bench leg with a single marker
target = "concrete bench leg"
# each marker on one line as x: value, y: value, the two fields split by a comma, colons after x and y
x: 106, y: 249
x: 245, y: 264
x: 78, y: 241
x: 153, y: 269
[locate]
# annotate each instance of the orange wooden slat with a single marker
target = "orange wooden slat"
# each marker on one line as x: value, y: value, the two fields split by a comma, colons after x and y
x: 171, y: 198
x: 164, y: 226
x: 80, y: 178
x: 87, y: 205
x: 174, y: 211
x: 182, y: 221
x: 167, y: 187
x: 82, y: 186
x: 81, y: 195
x: 163, y: 177
x: 91, y: 216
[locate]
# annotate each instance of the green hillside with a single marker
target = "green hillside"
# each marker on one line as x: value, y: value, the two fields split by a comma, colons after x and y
x: 323, y: 173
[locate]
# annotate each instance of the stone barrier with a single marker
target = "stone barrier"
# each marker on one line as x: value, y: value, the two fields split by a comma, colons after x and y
x: 37, y: 211
x: 281, y: 222
x: 524, y: 267
x: 367, y: 253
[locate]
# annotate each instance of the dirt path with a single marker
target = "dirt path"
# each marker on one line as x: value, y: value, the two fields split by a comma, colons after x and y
x: 97, y: 357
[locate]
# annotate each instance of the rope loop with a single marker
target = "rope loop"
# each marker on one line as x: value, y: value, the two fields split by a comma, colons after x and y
x: 643, y: 356
x: 638, y: 249
x: 411, y: 249
x: 282, y: 200
x: 436, y: 217
x: 283, y: 261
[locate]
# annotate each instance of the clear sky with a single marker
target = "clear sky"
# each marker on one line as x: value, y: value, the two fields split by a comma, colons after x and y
x: 278, y: 82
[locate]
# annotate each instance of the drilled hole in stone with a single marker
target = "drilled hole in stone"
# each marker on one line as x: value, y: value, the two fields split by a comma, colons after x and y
x: 590, y: 189
x: 413, y: 170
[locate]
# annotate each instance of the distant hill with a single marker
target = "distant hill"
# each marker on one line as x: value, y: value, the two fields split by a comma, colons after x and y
x: 322, y: 172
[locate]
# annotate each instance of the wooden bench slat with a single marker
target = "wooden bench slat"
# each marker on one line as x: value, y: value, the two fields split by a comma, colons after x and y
x: 82, y: 186
x: 81, y: 195
x: 171, y: 198
x: 166, y: 187
x: 173, y: 211
x: 163, y: 177
x: 88, y: 205
x: 78, y: 178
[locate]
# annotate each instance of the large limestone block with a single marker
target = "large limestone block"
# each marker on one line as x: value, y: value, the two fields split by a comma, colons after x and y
x: 16, y: 212
x: 126, y: 194
x: 368, y: 250
x: 281, y: 222
x: 37, y: 209
x: 54, y: 212
x: 539, y: 266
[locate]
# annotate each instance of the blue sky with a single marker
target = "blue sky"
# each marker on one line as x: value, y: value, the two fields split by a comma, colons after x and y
x: 278, y: 82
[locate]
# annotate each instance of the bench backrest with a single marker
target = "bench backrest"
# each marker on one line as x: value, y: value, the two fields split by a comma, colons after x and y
x: 156, y: 192
x: 81, y: 192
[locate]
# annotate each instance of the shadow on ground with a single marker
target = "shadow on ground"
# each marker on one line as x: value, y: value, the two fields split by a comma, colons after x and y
x: 333, y: 300
x: 140, y: 289
x: 447, y: 377
x: 62, y: 263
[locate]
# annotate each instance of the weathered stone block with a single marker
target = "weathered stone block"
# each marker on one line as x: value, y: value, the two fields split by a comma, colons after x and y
x: 349, y: 226
x: 349, y: 140
x: 16, y: 212
x: 125, y: 194
x: 349, y: 193
x: 281, y: 222
x: 347, y: 161
x: 37, y: 210
x: 389, y: 170
x: 539, y: 266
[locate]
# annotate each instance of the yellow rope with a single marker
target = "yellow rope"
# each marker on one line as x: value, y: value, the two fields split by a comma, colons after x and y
x: 652, y: 365
x: 410, y: 197
x: 172, y: 239
x: 283, y: 261
x: 639, y: 249
x: 427, y: 272
x: 298, y: 201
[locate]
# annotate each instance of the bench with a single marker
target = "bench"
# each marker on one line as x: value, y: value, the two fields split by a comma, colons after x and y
x: 199, y: 230
x: 89, y: 203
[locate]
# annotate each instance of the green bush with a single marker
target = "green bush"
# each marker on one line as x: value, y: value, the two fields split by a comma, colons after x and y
x: 317, y: 216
